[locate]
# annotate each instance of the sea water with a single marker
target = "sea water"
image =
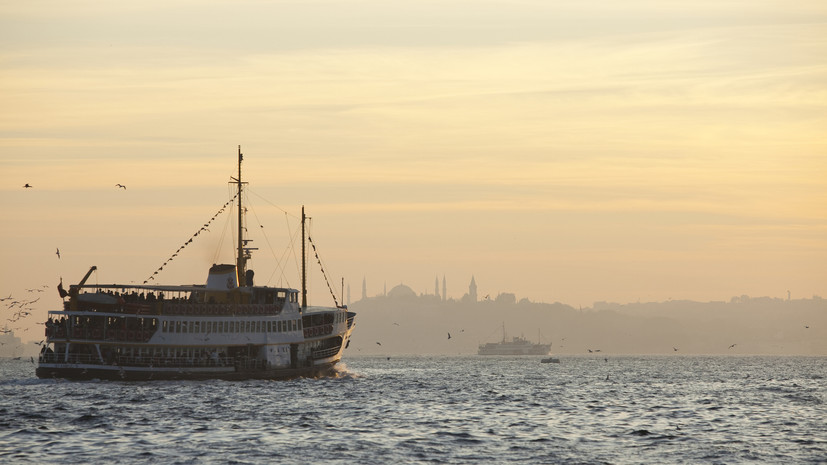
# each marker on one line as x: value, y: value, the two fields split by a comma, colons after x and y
x: 417, y: 409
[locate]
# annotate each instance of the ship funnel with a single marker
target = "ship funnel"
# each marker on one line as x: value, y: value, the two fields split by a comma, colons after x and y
x: 222, y: 278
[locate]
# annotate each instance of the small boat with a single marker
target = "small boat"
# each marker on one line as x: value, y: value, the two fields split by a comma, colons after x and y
x: 550, y: 360
x: 228, y: 328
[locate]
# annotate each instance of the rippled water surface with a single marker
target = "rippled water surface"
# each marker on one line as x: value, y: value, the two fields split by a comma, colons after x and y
x: 434, y: 409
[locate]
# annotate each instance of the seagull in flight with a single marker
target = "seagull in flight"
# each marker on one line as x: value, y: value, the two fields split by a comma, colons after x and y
x: 733, y: 345
x: 27, y: 186
x: 449, y: 335
x: 57, y: 251
x: 121, y: 186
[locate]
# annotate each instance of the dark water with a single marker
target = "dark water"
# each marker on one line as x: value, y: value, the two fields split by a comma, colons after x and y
x: 435, y: 410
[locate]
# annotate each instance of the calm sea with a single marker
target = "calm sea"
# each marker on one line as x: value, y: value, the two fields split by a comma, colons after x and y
x: 472, y: 409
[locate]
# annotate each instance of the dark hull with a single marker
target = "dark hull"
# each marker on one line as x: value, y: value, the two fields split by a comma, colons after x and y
x: 148, y: 374
x: 539, y: 349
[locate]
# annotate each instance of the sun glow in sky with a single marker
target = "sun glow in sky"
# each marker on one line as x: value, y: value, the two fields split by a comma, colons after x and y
x: 563, y: 151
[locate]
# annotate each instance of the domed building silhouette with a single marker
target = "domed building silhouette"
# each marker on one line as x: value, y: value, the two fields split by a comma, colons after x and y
x: 401, y: 291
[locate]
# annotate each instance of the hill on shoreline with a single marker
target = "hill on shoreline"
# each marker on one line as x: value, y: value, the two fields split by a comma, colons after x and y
x: 412, y: 324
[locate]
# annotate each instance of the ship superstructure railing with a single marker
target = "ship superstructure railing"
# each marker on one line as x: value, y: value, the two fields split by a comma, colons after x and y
x: 325, y: 353
x: 160, y: 362
x: 174, y: 361
x: 176, y: 307
x: 50, y: 357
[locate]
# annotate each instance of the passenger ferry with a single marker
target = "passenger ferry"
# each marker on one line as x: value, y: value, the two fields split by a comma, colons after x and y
x: 227, y: 328
x: 516, y: 346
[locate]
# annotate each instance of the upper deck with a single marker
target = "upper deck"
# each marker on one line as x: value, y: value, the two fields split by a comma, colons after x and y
x: 182, y: 300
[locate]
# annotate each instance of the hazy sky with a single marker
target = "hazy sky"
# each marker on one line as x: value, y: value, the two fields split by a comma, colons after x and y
x: 571, y: 151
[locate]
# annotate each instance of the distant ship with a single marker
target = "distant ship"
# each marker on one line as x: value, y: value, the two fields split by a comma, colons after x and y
x: 227, y: 328
x: 516, y: 346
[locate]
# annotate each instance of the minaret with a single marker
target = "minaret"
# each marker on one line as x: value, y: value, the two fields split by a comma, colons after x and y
x: 472, y: 290
x: 364, y: 289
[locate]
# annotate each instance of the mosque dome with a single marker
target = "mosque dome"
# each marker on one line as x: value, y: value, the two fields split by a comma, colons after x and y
x: 401, y: 291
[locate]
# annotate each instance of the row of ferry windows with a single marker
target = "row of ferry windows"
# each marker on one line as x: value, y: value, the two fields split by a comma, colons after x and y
x: 231, y: 326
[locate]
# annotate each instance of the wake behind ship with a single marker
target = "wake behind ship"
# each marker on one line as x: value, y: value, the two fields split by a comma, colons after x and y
x: 227, y: 328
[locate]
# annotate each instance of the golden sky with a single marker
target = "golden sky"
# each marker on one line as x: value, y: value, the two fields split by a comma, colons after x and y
x: 572, y: 151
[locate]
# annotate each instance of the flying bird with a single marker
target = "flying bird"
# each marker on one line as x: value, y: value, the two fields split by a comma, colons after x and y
x: 57, y: 251
x: 733, y: 345
x: 27, y: 186
x: 378, y: 343
x: 449, y: 335
x: 121, y: 186
x: 675, y: 349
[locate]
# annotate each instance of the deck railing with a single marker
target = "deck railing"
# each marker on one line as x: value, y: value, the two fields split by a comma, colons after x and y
x: 325, y: 353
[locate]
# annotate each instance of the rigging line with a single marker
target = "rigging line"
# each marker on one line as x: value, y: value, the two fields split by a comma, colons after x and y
x: 271, y: 203
x: 203, y: 228
x: 285, y: 255
x: 223, y: 236
x: 266, y: 239
x: 318, y: 259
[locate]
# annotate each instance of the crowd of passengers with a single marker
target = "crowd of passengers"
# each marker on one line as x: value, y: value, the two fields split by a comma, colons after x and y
x: 126, y: 299
x: 88, y: 327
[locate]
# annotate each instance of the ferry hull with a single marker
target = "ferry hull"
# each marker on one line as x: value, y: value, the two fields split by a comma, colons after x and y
x: 115, y: 373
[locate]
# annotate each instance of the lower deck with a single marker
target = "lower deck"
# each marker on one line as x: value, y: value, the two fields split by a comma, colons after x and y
x: 83, y: 371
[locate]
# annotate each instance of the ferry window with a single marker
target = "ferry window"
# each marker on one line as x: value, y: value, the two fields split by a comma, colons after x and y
x: 215, y: 326
x: 258, y: 326
x: 164, y: 328
x: 195, y: 328
x: 281, y: 327
x: 298, y: 325
x: 247, y: 327
x: 269, y: 326
x: 177, y: 326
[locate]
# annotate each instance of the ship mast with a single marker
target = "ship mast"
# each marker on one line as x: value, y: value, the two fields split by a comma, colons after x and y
x: 241, y: 259
x: 304, y: 267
